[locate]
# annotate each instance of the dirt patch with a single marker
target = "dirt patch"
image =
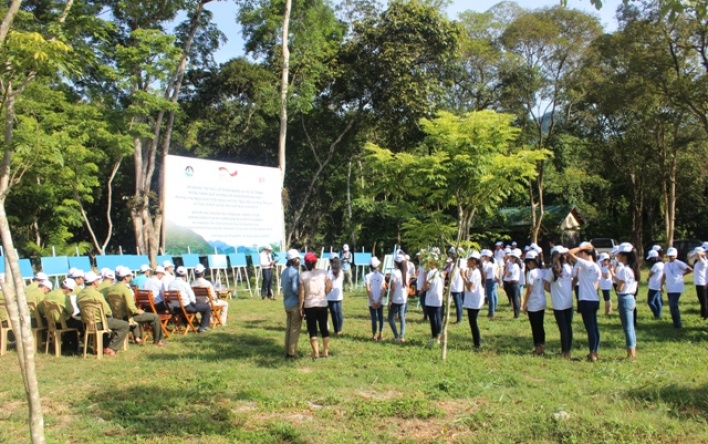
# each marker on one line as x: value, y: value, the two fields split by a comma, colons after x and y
x: 447, y: 427
x: 379, y: 396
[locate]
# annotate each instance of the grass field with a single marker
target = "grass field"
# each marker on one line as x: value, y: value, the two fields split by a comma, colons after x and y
x: 233, y: 385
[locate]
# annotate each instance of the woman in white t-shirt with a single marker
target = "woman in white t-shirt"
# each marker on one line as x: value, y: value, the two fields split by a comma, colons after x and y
x: 588, y: 278
x: 559, y: 283
x: 399, y: 296
x: 433, y: 287
x: 674, y: 271
x: 512, y: 276
x: 474, y: 295
x: 606, y: 282
x: 626, y: 277
x: 420, y: 282
x: 534, y: 304
x: 655, y: 279
x: 375, y: 282
x: 490, y: 273
x: 336, y: 296
x: 699, y: 280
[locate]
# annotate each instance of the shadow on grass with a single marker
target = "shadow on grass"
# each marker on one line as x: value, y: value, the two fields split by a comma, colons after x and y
x: 685, y: 402
x: 193, y: 408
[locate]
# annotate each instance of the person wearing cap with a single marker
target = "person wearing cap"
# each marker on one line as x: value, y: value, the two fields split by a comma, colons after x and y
x: 512, y: 278
x: 156, y: 284
x: 699, y: 280
x: 108, y: 278
x: 534, y: 301
x: 588, y: 276
x: 420, y: 281
x: 36, y: 279
x: 606, y: 281
x: 169, y: 275
x: 123, y: 289
x: 119, y: 327
x: 499, y: 252
x: 655, y: 279
x: 60, y: 296
x: 347, y: 260
x: 559, y: 282
x: 674, y: 271
x: 189, y: 300
x: 626, y: 276
x: 490, y: 278
x: 474, y: 295
x: 143, y: 275
x: 399, y: 296
x: 36, y: 296
x: 314, y: 287
x: 375, y: 282
x: 267, y: 263
x: 290, y: 283
x: 457, y: 286
x: 336, y: 295
x: 433, y: 286
x: 201, y: 282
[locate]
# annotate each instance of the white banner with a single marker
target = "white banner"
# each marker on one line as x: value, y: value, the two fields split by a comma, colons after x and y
x: 211, y: 204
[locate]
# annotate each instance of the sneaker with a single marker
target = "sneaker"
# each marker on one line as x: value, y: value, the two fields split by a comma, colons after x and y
x: 202, y: 330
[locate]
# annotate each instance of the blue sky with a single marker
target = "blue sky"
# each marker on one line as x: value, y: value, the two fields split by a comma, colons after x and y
x: 225, y: 15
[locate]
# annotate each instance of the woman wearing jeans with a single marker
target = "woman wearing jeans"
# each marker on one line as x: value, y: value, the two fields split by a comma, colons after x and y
x: 535, y: 301
x: 656, y: 274
x: 474, y: 295
x: 674, y: 271
x: 399, y: 291
x: 588, y: 276
x: 511, y: 281
x: 489, y: 273
x: 559, y: 282
x: 433, y: 298
x: 626, y: 276
x: 336, y: 296
x: 374, y: 288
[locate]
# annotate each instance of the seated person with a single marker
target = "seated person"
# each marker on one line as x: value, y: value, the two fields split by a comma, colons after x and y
x: 189, y: 300
x: 61, y: 297
x: 119, y: 327
x: 36, y: 295
x: 38, y: 277
x: 143, y: 275
x: 201, y: 282
x: 156, y: 284
x: 108, y: 278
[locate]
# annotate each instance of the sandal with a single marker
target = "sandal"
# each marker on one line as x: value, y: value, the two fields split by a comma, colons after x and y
x: 109, y: 352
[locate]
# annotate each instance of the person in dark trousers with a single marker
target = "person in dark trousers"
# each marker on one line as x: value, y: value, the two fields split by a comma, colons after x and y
x: 267, y: 263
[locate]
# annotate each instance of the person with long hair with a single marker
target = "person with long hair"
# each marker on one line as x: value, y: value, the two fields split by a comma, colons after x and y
x: 588, y: 277
x: 456, y: 285
x: 699, y: 280
x: 420, y: 281
x: 534, y: 304
x: 626, y: 276
x: 290, y: 283
x: 399, y: 296
x: 654, y: 282
x: 433, y: 286
x: 674, y: 271
x: 512, y: 276
x: 490, y: 276
x: 314, y: 287
x: 559, y: 282
x: 375, y: 282
x: 606, y: 282
x: 474, y: 295
x: 336, y: 296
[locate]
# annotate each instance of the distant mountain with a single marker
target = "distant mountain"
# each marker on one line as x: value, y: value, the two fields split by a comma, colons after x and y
x: 178, y: 238
x: 221, y: 247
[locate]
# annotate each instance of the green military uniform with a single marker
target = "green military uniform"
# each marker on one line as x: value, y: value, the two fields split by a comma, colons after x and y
x: 105, y: 284
x: 3, y: 313
x: 60, y: 298
x: 119, y: 327
x: 35, y: 295
x: 33, y: 285
x: 129, y: 308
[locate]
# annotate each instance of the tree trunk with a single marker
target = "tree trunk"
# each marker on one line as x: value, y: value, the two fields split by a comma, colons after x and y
x: 350, y: 226
x: 537, y: 217
x: 8, y: 19
x: 284, y: 90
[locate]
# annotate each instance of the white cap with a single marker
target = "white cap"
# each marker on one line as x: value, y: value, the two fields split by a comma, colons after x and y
x: 560, y: 249
x: 585, y: 246
x: 452, y: 250
x: 672, y: 252
x: 46, y: 283
x: 516, y: 253
x: 652, y: 254
x: 199, y: 268
x: 333, y: 255
x: 531, y: 255
x: 75, y: 273
x: 374, y: 262
x: 536, y: 248
x: 160, y: 269
x: 90, y: 277
x: 626, y: 247
x: 168, y: 264
x: 345, y: 247
x: 68, y: 283
x: 615, y: 250
x: 104, y: 270
x: 656, y: 248
x: 699, y: 250
x: 144, y: 268
x: 292, y: 254
x: 268, y: 247
x: 108, y: 274
x: 527, y: 248
x: 499, y: 244
x: 507, y: 250
x: 487, y: 253
x: 705, y: 246
x: 39, y: 276
x: 181, y: 271
x: 475, y: 255
x: 122, y: 271
x: 604, y: 256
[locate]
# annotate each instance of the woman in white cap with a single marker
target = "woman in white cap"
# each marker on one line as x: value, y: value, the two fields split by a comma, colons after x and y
x: 534, y: 304
x: 290, y: 282
x: 420, y: 281
x: 399, y: 297
x: 699, y: 280
x: 336, y: 296
x: 433, y: 286
x: 347, y: 260
x: 511, y: 279
x: 490, y: 274
x: 627, y: 276
x: 588, y: 277
x: 559, y: 282
x: 267, y: 263
x: 474, y: 295
x: 606, y: 282
x: 457, y: 286
x: 374, y: 290
x: 655, y: 279
x: 674, y: 271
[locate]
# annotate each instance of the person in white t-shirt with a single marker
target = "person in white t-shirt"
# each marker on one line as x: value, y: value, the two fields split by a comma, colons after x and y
x: 699, y: 280
x: 559, y: 283
x: 336, y: 296
x: 433, y: 286
x: 420, y: 282
x: 655, y: 279
x: 490, y: 277
x: 534, y: 303
x: 674, y: 271
x: 399, y: 297
x: 474, y: 295
x: 374, y: 290
x: 588, y: 278
x: 455, y: 281
x: 606, y: 282
x: 512, y: 277
x: 626, y: 277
